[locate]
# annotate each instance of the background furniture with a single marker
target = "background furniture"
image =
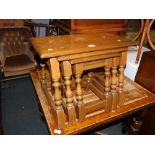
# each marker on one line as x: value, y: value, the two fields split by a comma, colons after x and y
x: 146, y: 77
x: 40, y: 28
x: 70, y: 26
x: 145, y: 35
x: 146, y: 72
x: 144, y: 31
x: 11, y: 22
x: 15, y: 51
x: 37, y: 28
x: 143, y: 122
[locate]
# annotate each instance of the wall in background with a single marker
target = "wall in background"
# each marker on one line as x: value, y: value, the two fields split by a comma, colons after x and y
x: 131, y: 67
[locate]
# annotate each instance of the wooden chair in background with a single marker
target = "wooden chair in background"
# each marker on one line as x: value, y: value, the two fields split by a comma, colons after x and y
x: 144, y: 33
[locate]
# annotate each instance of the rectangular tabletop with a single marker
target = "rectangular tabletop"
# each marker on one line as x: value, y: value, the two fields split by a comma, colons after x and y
x: 54, y: 46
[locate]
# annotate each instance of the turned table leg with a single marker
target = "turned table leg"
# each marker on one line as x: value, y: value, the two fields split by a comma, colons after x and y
x: 89, y: 77
x: 78, y: 70
x: 43, y: 74
x: 113, y: 83
x: 49, y: 83
x: 67, y: 73
x: 108, y: 107
x: 55, y: 73
x: 121, y: 77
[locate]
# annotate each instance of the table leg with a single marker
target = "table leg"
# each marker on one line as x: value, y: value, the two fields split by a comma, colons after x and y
x: 108, y: 96
x: 121, y: 77
x: 67, y: 73
x: 55, y: 73
x: 43, y: 74
x: 113, y: 83
x: 78, y: 70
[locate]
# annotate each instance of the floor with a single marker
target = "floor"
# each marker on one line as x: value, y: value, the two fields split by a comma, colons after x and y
x: 20, y: 111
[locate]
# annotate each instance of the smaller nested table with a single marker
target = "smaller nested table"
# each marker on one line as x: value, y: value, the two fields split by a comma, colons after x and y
x: 81, y: 85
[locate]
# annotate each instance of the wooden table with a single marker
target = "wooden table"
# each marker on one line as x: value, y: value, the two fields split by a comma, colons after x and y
x: 81, y: 85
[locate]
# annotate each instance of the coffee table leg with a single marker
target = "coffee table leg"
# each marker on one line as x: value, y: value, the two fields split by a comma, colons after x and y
x: 121, y: 77
x: 78, y: 70
x: 55, y: 73
x: 115, y: 62
x: 67, y: 73
x: 107, y: 83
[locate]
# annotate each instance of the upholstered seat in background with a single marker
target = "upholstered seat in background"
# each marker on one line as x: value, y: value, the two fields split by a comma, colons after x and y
x: 16, y: 54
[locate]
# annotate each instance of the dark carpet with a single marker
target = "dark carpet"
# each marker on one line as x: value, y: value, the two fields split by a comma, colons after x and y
x: 20, y: 110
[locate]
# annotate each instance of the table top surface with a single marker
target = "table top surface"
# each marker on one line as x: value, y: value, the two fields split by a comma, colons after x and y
x: 54, y: 46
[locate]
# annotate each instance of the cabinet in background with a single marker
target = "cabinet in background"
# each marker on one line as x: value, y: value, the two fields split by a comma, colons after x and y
x: 73, y: 26
x: 11, y: 22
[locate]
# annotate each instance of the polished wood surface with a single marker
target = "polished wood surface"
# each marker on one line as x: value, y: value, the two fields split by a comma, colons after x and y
x: 82, y: 78
x: 136, y: 98
x: 146, y: 74
x: 79, y: 26
x: 146, y: 77
x: 78, y: 43
x: 11, y: 23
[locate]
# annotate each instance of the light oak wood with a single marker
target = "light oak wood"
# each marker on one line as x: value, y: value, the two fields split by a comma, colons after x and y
x: 78, y: 96
x: 107, y: 86
x: 55, y: 74
x: 78, y: 70
x: 56, y: 46
x: 67, y: 73
x: 89, y: 55
x: 115, y: 97
x: 122, y: 63
x: 43, y: 72
x: 132, y: 104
